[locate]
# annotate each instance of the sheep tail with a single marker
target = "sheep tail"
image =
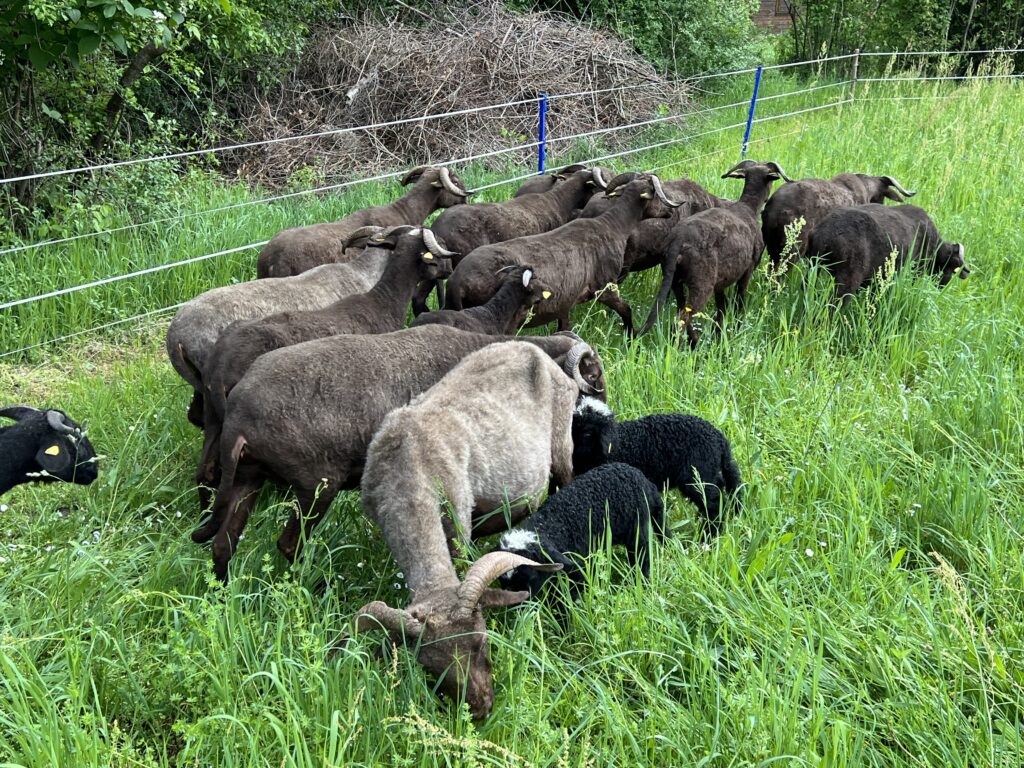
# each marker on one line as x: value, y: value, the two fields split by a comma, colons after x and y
x: 668, y: 272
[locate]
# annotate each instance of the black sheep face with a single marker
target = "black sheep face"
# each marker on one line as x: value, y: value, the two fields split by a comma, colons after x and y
x: 523, y: 578
x: 52, y: 446
x: 593, y: 435
x: 948, y: 259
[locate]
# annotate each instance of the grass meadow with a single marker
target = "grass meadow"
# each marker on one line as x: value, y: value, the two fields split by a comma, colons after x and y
x: 865, y: 608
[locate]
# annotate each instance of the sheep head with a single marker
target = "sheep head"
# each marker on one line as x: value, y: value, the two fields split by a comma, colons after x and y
x: 593, y: 435
x: 881, y: 188
x: 62, y: 451
x: 747, y: 168
x: 648, y: 186
x: 525, y: 578
x: 449, y: 187
x: 948, y: 259
x: 446, y: 629
x: 583, y: 365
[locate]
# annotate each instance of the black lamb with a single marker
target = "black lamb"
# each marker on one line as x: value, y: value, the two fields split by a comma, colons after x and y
x: 43, y: 446
x: 676, y: 450
x: 614, y: 497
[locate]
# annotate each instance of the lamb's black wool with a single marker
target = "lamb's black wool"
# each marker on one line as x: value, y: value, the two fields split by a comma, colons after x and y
x: 43, y: 446
x: 615, y: 496
x: 678, y: 450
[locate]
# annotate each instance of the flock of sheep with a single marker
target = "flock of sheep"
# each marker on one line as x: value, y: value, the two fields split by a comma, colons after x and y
x: 455, y: 428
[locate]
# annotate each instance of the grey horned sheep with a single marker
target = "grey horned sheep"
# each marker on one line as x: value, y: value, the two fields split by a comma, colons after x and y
x: 491, y: 432
x: 812, y: 199
x: 297, y: 250
x: 857, y: 242
x: 304, y: 415
x: 571, y: 523
x: 44, y: 446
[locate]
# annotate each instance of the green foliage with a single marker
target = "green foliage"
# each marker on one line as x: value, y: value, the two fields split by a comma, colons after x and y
x: 680, y: 36
x: 863, y: 609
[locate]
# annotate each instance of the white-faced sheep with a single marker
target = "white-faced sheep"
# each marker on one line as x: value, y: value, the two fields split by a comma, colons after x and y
x: 297, y: 250
x: 812, y: 199
x: 675, y: 450
x: 857, y: 242
x: 580, y: 261
x: 198, y: 324
x: 43, y: 446
x: 305, y: 414
x: 715, y: 249
x: 491, y: 432
x: 571, y: 523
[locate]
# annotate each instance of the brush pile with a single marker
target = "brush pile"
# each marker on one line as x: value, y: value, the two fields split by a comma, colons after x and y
x: 380, y: 71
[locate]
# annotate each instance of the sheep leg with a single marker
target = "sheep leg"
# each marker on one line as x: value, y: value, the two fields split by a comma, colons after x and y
x: 708, y: 500
x: 313, y: 505
x: 720, y: 302
x: 641, y: 554
x: 208, y: 476
x: 613, y: 301
x: 195, y: 409
x: 564, y: 323
x: 419, y: 300
x: 741, y: 290
x: 232, y: 509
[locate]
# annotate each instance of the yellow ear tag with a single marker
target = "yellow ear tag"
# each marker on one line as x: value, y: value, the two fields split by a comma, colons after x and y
x: 546, y: 294
x: 53, y: 450
x: 428, y: 257
x: 689, y: 309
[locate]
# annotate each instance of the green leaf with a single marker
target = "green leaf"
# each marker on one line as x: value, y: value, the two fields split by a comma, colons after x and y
x: 225, y: 5
x: 73, y: 15
x: 40, y: 59
x: 119, y: 42
x: 109, y: 11
x: 88, y: 43
x: 143, y: 13
x: 53, y: 114
x: 897, y: 559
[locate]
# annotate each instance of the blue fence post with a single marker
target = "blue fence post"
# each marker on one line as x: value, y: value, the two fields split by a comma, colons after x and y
x: 750, y: 114
x: 542, y: 133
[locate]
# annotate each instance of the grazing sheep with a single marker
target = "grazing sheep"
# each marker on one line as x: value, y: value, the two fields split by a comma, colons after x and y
x: 544, y: 183
x: 856, y: 242
x: 493, y: 430
x: 198, y: 324
x: 304, y: 416
x: 675, y: 450
x: 297, y: 250
x: 716, y: 248
x: 503, y: 313
x: 573, y: 521
x: 812, y: 199
x: 579, y: 261
x: 44, y: 447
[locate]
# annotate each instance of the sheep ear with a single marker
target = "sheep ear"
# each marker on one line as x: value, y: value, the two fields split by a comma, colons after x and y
x: 54, y: 458
x: 499, y: 598
x: 18, y: 412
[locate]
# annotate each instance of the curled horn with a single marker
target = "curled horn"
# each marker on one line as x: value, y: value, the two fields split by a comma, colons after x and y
x: 778, y: 169
x: 18, y: 412
x: 599, y: 177
x: 731, y: 173
x: 899, y: 187
x: 395, y: 620
x: 56, y: 421
x: 660, y: 192
x: 487, y: 569
x: 448, y: 184
x: 572, y: 366
x: 359, y: 234
x: 414, y: 174
x: 430, y: 240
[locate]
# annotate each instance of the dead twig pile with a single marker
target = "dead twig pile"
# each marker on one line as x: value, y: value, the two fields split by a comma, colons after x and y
x: 376, y: 72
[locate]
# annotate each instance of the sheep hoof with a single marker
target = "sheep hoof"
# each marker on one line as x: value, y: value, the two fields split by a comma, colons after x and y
x: 204, y: 533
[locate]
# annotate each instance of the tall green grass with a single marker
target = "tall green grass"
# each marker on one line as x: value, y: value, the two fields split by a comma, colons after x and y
x: 865, y: 608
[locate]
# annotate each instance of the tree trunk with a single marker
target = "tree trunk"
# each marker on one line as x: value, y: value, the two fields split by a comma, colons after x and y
x: 143, y: 58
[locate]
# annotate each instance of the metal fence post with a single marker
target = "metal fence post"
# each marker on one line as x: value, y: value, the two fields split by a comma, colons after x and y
x: 542, y: 133
x: 750, y: 114
x: 853, y: 75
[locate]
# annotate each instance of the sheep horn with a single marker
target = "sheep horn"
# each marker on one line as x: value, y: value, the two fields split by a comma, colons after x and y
x: 660, y: 192
x: 414, y: 174
x: 18, y: 412
x: 599, y: 179
x: 447, y: 183
x: 358, y: 235
x: 573, y: 168
x: 732, y: 171
x: 395, y: 620
x: 778, y: 169
x: 899, y: 187
x: 56, y: 421
x: 528, y: 274
x: 572, y: 366
x: 430, y: 240
x: 487, y: 569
